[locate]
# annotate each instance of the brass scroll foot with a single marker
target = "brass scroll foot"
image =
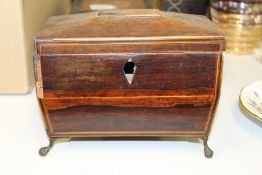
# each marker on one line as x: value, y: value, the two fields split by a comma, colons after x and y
x: 44, y: 150
x: 207, y: 150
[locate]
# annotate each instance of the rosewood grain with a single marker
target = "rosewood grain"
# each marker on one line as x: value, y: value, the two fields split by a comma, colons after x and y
x: 91, y: 26
x: 64, y: 94
x: 167, y: 71
x: 94, y: 119
x: 80, y: 81
x: 125, y: 101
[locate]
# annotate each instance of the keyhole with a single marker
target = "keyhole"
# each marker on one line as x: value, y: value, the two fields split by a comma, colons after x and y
x: 129, y: 70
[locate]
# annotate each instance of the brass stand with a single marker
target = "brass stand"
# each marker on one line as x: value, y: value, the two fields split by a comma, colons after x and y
x: 44, y: 150
x: 207, y: 150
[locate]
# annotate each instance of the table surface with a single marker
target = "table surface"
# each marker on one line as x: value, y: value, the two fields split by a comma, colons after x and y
x: 235, y: 138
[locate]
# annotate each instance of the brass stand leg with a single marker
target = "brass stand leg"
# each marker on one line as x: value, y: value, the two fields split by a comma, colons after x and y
x: 44, y: 150
x: 208, y: 151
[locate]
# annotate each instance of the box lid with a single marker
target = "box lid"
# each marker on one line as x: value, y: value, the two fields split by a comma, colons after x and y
x: 123, y: 25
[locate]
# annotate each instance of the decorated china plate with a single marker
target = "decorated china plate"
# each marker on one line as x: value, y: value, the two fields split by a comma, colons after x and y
x: 251, y: 99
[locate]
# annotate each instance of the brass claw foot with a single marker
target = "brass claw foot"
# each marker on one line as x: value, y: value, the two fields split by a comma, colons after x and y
x: 44, y: 150
x: 207, y: 150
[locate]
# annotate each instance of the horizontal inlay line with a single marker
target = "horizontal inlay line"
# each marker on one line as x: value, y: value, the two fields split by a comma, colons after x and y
x: 132, y: 53
x: 135, y: 133
x: 154, y: 38
x: 135, y: 43
x: 114, y: 97
x: 193, y: 92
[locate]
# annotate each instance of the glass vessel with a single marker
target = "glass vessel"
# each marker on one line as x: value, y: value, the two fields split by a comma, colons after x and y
x: 241, y: 21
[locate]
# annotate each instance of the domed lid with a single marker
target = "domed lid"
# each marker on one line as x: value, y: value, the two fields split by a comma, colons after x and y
x: 139, y: 24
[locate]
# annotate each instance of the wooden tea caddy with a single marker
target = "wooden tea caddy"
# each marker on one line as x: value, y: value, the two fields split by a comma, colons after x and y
x: 128, y: 73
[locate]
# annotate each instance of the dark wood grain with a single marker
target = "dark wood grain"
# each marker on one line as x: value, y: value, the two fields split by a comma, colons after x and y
x: 138, y: 101
x: 110, y: 119
x: 168, y: 71
x: 60, y: 94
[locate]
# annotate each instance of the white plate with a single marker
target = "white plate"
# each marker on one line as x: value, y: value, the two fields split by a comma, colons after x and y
x: 251, y: 99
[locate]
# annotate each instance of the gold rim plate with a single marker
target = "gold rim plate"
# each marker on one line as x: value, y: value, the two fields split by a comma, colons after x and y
x: 250, y: 99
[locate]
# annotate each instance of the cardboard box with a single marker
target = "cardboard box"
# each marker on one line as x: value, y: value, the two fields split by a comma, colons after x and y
x: 20, y: 20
